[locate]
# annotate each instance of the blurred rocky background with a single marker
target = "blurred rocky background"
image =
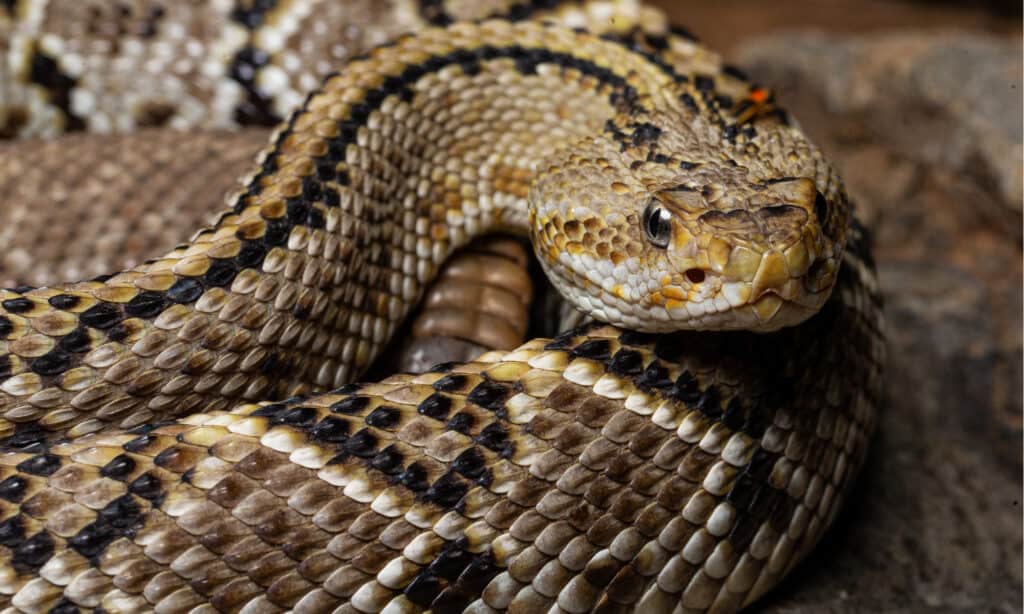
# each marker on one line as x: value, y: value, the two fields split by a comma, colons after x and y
x: 919, y: 103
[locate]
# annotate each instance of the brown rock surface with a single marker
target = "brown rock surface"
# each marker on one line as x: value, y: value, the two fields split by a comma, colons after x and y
x: 926, y: 128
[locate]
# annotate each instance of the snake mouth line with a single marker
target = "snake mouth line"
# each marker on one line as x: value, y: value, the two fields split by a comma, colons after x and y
x: 768, y: 313
x: 774, y: 312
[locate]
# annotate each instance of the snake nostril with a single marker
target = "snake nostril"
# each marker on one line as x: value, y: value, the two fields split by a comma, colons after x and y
x: 695, y: 275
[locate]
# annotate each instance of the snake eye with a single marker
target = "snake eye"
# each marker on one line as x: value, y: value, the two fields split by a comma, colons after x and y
x: 657, y: 224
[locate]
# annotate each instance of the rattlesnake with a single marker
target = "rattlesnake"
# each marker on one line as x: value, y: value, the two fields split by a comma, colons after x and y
x: 605, y: 469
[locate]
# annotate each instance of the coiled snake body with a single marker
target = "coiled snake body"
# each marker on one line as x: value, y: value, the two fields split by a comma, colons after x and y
x: 648, y: 469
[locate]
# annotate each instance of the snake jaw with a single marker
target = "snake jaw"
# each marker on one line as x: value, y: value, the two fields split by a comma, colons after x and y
x: 764, y: 292
x: 767, y: 296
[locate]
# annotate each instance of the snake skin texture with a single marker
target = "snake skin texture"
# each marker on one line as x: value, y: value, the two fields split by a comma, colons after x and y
x: 117, y: 66
x: 603, y: 470
x: 480, y: 301
x: 323, y: 358
x: 139, y: 205
x: 129, y: 191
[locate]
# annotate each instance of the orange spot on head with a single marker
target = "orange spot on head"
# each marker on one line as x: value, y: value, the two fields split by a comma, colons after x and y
x: 759, y: 95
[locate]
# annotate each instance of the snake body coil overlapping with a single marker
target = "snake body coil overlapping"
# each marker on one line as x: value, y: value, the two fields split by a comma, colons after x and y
x: 645, y: 468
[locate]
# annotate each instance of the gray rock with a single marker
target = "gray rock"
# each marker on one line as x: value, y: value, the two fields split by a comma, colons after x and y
x: 926, y: 129
x: 949, y: 99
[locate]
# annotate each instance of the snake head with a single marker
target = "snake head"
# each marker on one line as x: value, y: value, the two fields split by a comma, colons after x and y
x: 715, y: 248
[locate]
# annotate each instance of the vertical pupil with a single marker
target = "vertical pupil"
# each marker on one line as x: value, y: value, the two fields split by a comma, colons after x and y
x: 654, y: 222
